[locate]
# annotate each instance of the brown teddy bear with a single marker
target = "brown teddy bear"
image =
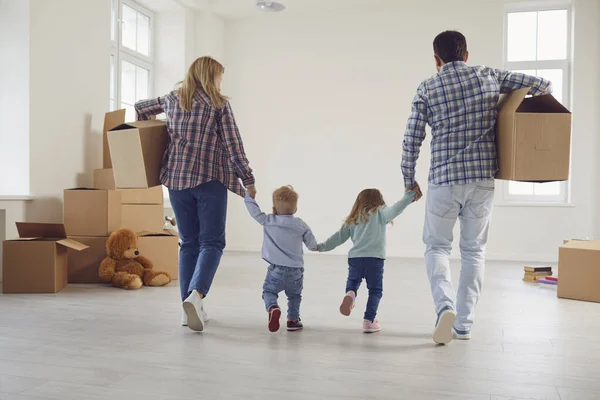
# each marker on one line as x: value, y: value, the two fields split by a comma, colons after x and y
x: 124, y: 267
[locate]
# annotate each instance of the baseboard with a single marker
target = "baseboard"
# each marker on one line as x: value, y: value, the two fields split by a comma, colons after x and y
x: 541, y: 258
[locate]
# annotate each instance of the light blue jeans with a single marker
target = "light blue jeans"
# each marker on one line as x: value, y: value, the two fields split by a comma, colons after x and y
x: 471, y: 204
x: 290, y: 280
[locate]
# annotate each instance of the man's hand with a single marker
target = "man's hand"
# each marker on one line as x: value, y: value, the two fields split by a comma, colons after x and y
x: 251, y: 191
x: 417, y: 189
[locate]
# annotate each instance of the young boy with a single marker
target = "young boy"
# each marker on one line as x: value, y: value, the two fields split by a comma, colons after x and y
x: 282, y: 249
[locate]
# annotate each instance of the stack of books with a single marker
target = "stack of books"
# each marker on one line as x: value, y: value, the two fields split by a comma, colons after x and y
x: 533, y: 274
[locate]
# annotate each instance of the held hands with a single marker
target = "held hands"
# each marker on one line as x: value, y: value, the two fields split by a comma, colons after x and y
x: 417, y: 189
x: 251, y: 191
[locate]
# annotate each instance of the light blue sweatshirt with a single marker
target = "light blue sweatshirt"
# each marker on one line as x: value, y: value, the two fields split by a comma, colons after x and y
x: 283, y: 236
x: 368, y: 238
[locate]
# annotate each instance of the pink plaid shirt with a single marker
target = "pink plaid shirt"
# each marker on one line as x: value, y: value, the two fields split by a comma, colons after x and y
x: 204, y: 146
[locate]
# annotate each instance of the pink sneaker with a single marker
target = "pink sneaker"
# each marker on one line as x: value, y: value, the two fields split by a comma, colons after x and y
x: 347, y: 303
x: 371, y: 327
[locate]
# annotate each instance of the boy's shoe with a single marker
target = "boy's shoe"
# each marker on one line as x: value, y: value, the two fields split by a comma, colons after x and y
x: 442, y: 334
x: 194, y: 310
x: 461, y: 335
x: 348, y: 303
x: 294, y: 325
x: 274, y: 315
x: 371, y: 327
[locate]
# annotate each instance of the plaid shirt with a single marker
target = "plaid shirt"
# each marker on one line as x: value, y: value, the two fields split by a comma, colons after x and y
x: 204, y: 146
x: 459, y: 103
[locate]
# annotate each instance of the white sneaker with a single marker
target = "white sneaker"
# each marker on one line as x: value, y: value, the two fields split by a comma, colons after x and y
x: 194, y: 310
x: 184, y: 317
x: 442, y: 333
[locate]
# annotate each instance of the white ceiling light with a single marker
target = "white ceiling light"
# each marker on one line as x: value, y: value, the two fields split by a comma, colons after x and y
x: 270, y: 6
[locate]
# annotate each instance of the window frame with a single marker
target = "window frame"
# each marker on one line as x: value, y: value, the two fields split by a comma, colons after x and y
x: 564, y: 197
x: 122, y: 53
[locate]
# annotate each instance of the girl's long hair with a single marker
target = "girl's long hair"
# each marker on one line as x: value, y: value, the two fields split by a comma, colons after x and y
x: 367, y: 202
x: 202, y: 75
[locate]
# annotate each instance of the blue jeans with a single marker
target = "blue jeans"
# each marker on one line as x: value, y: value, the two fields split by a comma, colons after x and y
x: 284, y: 278
x: 370, y: 269
x: 200, y: 213
x: 471, y: 204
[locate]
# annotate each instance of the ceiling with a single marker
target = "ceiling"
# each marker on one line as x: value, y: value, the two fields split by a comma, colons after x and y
x: 247, y: 8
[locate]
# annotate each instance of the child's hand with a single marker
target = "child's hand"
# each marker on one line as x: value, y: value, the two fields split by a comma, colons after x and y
x: 251, y: 191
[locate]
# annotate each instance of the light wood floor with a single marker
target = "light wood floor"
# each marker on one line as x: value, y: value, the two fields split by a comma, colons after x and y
x: 93, y: 342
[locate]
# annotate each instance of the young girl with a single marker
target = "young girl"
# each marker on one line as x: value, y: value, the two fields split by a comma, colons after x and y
x: 366, y: 226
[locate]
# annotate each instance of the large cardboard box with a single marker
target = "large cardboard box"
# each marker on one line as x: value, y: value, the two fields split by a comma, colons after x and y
x: 143, y: 217
x: 92, y: 212
x: 136, y: 151
x: 579, y: 270
x: 162, y: 248
x: 111, y: 120
x: 104, y: 179
x: 83, y: 265
x: 533, y: 138
x: 36, y: 262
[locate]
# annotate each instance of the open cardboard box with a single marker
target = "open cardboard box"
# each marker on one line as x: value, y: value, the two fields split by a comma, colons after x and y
x: 136, y: 152
x: 533, y: 138
x: 36, y: 262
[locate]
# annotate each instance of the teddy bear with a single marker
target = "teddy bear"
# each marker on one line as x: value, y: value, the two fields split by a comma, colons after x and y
x: 124, y: 267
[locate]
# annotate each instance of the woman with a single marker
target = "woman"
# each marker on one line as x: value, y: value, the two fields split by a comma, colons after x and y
x: 204, y: 158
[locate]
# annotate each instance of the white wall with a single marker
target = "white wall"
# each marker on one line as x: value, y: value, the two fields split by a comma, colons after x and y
x: 324, y: 109
x: 69, y: 92
x: 210, y: 39
x: 14, y: 97
x: 170, y: 50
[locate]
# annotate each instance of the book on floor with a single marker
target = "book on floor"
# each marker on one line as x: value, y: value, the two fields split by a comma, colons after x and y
x: 537, y: 268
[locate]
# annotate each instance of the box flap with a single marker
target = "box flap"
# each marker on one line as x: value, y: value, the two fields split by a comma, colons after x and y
x: 545, y: 104
x: 138, y: 124
x: 111, y: 120
x: 164, y: 232
x: 510, y: 102
x: 72, y: 244
x: 582, y: 245
x: 40, y: 230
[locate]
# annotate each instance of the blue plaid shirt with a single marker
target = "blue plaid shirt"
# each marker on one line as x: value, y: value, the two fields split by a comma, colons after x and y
x: 459, y: 104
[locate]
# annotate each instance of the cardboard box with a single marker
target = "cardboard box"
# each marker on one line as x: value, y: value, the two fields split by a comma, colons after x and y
x: 36, y: 262
x: 143, y: 217
x: 104, y: 179
x: 533, y: 138
x: 92, y: 212
x: 83, y: 265
x: 579, y: 270
x: 111, y: 120
x: 136, y: 151
x: 162, y: 248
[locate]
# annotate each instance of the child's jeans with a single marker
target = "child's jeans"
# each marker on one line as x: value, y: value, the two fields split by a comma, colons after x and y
x: 285, y: 279
x: 370, y: 269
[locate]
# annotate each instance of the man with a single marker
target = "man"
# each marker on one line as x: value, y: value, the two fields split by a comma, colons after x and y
x: 459, y: 104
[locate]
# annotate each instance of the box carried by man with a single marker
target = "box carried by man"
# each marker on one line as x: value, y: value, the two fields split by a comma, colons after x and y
x: 533, y: 138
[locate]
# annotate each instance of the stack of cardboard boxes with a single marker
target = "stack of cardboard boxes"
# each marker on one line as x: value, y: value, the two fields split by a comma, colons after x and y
x: 127, y: 194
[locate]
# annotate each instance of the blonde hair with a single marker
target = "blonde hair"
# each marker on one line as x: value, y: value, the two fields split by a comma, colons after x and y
x: 202, y: 75
x: 367, y: 202
x: 285, y: 200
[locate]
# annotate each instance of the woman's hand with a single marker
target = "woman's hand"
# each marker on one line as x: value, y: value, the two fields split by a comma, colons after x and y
x: 251, y: 191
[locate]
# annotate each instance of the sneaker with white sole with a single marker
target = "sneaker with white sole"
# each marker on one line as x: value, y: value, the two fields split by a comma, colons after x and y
x: 461, y: 335
x: 442, y: 334
x: 194, y: 310
x: 184, y: 318
x: 371, y: 326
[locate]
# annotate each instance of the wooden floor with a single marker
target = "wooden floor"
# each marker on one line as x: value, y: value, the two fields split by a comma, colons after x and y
x: 93, y: 342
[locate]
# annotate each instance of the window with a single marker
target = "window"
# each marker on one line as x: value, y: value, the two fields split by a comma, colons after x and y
x: 131, y: 58
x: 537, y: 42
